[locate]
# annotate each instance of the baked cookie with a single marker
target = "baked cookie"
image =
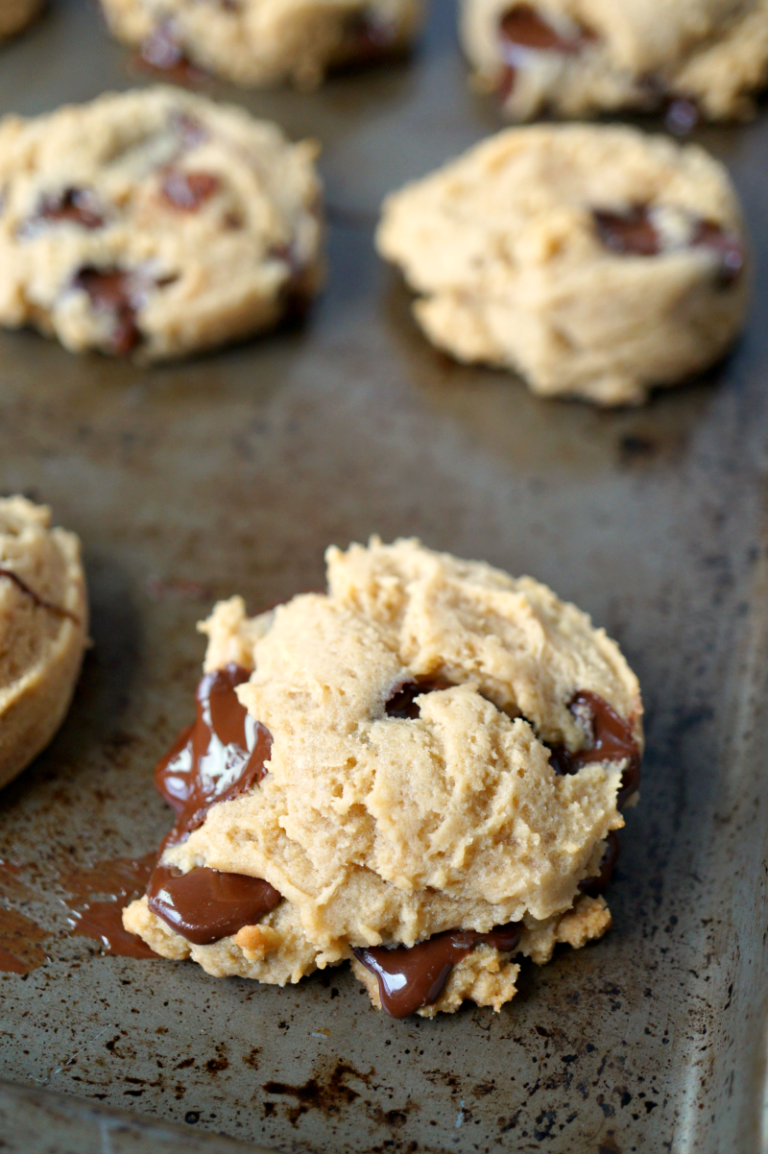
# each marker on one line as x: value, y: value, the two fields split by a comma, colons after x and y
x: 43, y: 630
x: 17, y: 14
x: 154, y: 223
x: 419, y: 771
x: 579, y: 57
x: 595, y: 261
x: 262, y: 42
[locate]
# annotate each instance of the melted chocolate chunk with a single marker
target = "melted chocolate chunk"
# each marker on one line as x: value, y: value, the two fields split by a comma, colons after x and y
x: 365, y: 40
x: 187, y: 191
x: 628, y: 234
x: 40, y: 602
x: 522, y: 27
x: 163, y: 52
x: 112, y: 291
x: 403, y: 702
x: 612, y: 740
x: 74, y: 205
x: 415, y: 976
x: 217, y: 758
x: 598, y: 884
x: 205, y: 905
x: 726, y: 246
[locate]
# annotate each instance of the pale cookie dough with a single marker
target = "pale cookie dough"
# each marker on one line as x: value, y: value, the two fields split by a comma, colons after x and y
x: 262, y: 42
x: 595, y: 261
x: 579, y: 57
x: 379, y: 829
x: 154, y: 223
x: 43, y: 630
x: 16, y: 15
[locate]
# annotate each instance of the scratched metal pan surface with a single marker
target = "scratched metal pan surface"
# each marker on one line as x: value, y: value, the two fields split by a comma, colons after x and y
x: 231, y: 474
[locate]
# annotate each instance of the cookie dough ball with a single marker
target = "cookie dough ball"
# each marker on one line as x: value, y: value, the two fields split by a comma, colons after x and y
x: 418, y: 781
x: 43, y: 630
x: 579, y: 57
x: 154, y: 224
x: 17, y: 14
x: 595, y: 261
x: 263, y: 42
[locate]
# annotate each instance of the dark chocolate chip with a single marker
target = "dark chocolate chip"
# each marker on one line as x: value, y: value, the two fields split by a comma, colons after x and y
x: 628, y: 234
x: 75, y: 205
x: 187, y: 191
x: 402, y: 702
x: 112, y: 291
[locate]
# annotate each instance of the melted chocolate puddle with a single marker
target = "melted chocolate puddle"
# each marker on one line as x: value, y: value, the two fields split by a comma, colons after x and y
x: 415, y: 976
x: 20, y: 937
x: 119, y: 880
x: 40, y: 602
x: 205, y: 905
x: 612, y: 740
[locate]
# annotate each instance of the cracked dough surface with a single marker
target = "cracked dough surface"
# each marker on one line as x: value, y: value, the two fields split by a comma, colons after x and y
x: 635, y: 54
x: 262, y: 42
x: 379, y: 830
x: 501, y: 246
x: 206, y: 221
x: 16, y: 14
x: 40, y: 650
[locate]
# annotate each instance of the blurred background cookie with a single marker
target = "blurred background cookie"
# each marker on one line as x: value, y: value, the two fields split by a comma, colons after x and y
x: 154, y: 223
x: 577, y: 57
x: 16, y: 15
x: 43, y: 630
x: 262, y: 42
x: 595, y: 261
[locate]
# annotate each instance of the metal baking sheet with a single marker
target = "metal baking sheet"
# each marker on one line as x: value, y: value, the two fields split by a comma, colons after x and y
x: 231, y: 473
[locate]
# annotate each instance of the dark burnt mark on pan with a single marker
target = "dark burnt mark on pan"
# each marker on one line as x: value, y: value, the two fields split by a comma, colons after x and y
x: 188, y: 191
x: 113, y: 292
x: 327, y: 1091
x: 40, y: 602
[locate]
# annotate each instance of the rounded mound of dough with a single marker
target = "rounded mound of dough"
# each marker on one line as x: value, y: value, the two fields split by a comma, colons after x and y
x: 43, y: 630
x: 154, y: 223
x: 579, y: 57
x: 380, y: 829
x: 510, y: 249
x: 17, y: 14
x: 262, y: 42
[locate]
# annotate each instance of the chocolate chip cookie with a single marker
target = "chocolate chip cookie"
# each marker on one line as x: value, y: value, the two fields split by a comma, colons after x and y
x: 595, y: 261
x: 262, y: 42
x: 43, y: 630
x: 154, y: 224
x: 578, y: 57
x: 420, y: 771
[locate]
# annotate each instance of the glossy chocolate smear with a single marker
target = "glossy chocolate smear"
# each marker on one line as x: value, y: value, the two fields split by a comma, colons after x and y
x: 205, y: 905
x: 523, y: 27
x: 187, y: 191
x: 598, y: 884
x: 628, y: 234
x: 218, y: 758
x: 403, y: 702
x: 410, y: 977
x: 612, y: 740
x: 112, y: 291
x: 119, y: 880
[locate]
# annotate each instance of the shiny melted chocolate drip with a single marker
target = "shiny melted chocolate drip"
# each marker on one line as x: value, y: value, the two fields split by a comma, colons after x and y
x: 205, y: 905
x: 403, y: 703
x: 598, y: 884
x: 522, y: 27
x: 40, y: 602
x: 218, y: 758
x: 118, y: 880
x: 612, y: 740
x: 410, y: 977
x: 112, y: 291
x: 187, y: 191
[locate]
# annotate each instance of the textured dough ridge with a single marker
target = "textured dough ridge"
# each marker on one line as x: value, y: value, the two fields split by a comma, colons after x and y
x: 380, y: 830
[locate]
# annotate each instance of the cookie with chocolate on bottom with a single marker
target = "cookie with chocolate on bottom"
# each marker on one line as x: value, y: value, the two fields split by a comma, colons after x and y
x: 43, y: 630
x: 595, y: 261
x: 256, y: 43
x: 580, y: 57
x: 154, y: 224
x: 419, y: 771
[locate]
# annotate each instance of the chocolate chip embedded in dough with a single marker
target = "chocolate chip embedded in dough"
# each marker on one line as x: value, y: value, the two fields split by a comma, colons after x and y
x: 523, y: 27
x: 187, y: 191
x: 628, y: 234
x: 402, y: 702
x: 76, y: 205
x: 112, y: 291
x: 726, y: 245
x: 612, y: 739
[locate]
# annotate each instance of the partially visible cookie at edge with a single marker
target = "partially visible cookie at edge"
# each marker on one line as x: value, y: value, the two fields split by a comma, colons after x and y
x: 15, y: 15
x: 431, y: 756
x: 43, y: 630
x: 257, y: 43
x: 596, y: 261
x: 155, y: 224
x: 575, y: 58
